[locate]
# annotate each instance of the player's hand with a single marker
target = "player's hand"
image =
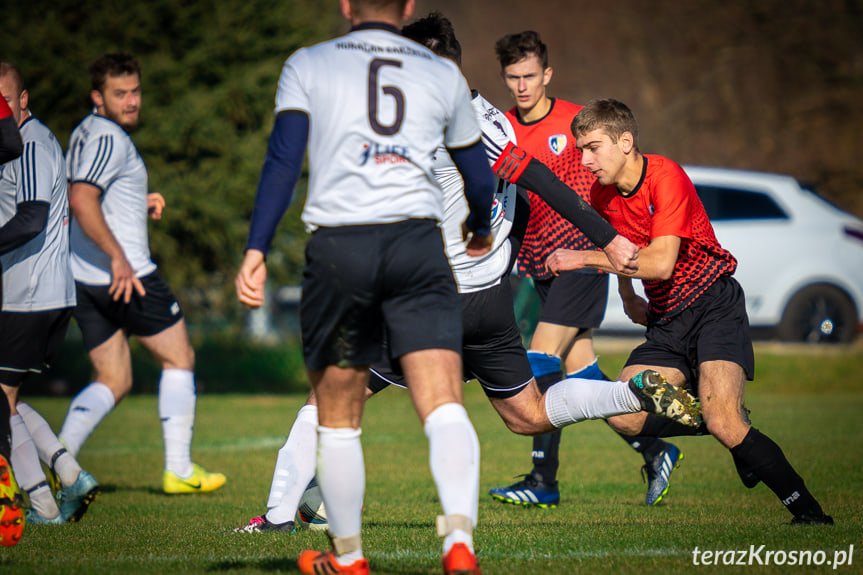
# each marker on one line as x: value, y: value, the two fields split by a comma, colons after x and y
x: 635, y: 308
x: 155, y: 205
x: 623, y: 255
x: 251, y: 279
x: 123, y: 281
x: 562, y: 260
x: 476, y: 245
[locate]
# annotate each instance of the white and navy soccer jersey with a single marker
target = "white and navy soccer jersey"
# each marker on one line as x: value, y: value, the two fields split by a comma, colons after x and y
x: 36, y: 275
x: 477, y: 273
x: 102, y: 154
x: 380, y: 105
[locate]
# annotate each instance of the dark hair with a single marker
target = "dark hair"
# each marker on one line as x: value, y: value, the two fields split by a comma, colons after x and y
x: 609, y: 115
x: 436, y: 33
x: 112, y: 65
x: 515, y: 47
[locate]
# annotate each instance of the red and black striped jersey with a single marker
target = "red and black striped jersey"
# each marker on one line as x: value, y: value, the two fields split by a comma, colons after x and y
x: 665, y: 203
x: 551, y: 142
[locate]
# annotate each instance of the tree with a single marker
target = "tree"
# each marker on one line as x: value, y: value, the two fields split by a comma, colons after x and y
x: 209, y: 75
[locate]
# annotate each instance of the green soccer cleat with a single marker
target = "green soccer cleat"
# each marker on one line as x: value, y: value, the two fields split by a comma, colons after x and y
x: 200, y: 481
x: 660, y: 397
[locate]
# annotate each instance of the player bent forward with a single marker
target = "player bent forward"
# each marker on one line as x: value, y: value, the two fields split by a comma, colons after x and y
x: 695, y: 313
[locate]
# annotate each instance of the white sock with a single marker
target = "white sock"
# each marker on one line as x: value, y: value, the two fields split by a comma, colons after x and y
x: 454, y: 460
x: 86, y: 411
x: 295, y: 466
x: 28, y: 470
x: 177, y: 411
x: 51, y: 451
x: 342, y: 479
x: 574, y: 399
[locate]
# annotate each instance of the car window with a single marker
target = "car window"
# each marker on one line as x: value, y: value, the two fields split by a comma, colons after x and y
x: 724, y: 204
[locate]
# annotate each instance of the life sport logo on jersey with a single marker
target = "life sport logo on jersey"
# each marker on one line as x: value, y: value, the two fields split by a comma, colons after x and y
x: 557, y: 143
x: 384, y: 154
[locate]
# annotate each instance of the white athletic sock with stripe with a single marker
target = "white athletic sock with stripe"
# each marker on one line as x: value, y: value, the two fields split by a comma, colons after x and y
x: 47, y: 444
x: 86, y: 411
x: 28, y: 470
x: 342, y: 479
x: 573, y: 399
x: 177, y: 412
x: 454, y: 460
x: 295, y: 467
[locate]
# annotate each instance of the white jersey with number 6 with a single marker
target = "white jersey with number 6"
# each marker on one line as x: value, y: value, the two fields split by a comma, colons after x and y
x: 380, y: 105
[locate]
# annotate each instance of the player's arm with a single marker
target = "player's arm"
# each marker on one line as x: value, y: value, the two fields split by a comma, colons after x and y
x: 29, y: 220
x: 634, y: 305
x: 479, y: 186
x: 86, y: 205
x: 655, y: 262
x: 282, y: 168
x: 517, y: 166
x: 11, y: 145
x: 31, y: 211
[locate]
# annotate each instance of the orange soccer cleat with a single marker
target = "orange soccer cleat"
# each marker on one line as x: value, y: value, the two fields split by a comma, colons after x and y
x: 460, y: 561
x: 324, y: 563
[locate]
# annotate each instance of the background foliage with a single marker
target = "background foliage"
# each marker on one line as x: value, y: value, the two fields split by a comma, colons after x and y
x: 210, y: 70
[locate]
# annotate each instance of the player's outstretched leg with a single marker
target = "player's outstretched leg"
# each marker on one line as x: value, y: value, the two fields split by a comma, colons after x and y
x: 660, y: 397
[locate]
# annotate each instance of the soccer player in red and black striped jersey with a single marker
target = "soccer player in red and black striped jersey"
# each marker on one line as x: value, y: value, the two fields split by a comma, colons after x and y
x: 574, y: 302
x: 695, y: 313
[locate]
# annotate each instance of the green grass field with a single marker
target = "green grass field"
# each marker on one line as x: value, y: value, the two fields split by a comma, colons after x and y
x: 810, y: 401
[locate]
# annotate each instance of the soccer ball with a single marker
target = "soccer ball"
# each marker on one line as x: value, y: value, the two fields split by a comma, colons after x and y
x: 311, y: 513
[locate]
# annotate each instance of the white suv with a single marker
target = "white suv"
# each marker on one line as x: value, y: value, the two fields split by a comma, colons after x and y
x: 800, y: 258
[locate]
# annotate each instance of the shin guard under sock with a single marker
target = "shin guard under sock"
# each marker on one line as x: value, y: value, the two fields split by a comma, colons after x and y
x: 546, y: 372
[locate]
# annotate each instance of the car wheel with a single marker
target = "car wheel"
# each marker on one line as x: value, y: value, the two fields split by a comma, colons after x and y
x: 819, y: 314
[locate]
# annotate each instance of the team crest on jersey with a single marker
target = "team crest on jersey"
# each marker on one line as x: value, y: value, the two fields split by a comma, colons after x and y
x: 384, y: 154
x: 557, y: 143
x: 499, y: 204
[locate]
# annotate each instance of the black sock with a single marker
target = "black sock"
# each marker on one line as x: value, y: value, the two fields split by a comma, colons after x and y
x: 658, y: 426
x: 647, y: 445
x: 546, y: 447
x: 545, y: 457
x: 760, y: 454
x: 5, y: 430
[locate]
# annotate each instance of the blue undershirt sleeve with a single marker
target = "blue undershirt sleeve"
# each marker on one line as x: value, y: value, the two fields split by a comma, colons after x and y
x: 29, y: 220
x: 279, y: 175
x: 479, y: 185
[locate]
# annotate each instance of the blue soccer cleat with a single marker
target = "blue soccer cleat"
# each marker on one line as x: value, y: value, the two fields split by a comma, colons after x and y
x: 530, y: 491
x: 74, y: 500
x: 657, y: 472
